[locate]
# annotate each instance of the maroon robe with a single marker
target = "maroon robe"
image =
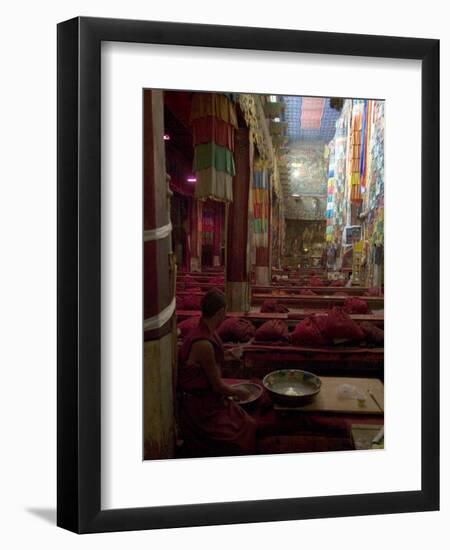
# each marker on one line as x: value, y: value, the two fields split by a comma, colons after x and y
x: 211, y: 424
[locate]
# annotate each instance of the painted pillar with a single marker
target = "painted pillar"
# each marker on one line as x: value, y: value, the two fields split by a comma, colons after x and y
x: 196, y: 235
x: 159, y: 286
x: 237, y: 269
x: 263, y: 255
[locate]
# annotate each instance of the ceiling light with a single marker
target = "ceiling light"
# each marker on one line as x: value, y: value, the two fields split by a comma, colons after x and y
x: 166, y: 137
x: 191, y: 179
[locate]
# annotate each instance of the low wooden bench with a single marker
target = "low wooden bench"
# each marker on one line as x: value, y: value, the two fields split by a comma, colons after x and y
x: 291, y: 318
x: 259, y: 359
x: 320, y: 302
x: 297, y: 290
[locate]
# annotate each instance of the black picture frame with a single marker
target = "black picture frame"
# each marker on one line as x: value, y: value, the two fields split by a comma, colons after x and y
x: 79, y: 281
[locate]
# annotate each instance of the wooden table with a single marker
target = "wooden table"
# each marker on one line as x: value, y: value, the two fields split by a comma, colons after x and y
x: 327, y: 401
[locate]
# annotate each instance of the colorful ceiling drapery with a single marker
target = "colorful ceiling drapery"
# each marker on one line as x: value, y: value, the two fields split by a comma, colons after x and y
x: 213, y: 119
x: 312, y: 111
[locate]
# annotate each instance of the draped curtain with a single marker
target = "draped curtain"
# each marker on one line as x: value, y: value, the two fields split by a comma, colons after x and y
x: 213, y: 120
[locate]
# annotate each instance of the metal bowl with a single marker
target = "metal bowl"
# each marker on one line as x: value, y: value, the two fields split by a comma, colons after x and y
x: 292, y: 386
x: 255, y: 391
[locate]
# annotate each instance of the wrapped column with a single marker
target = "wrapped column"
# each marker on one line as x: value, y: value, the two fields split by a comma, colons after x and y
x: 237, y: 267
x: 159, y: 289
x: 261, y: 217
x: 196, y: 235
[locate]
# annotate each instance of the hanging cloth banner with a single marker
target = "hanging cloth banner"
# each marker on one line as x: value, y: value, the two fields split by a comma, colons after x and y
x: 216, y: 105
x: 211, y: 155
x: 213, y: 119
x: 366, y: 139
x: 208, y: 129
x: 214, y: 185
x: 260, y: 193
x: 355, y: 153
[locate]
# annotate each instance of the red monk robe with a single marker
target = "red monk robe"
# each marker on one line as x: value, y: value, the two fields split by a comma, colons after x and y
x: 211, y: 423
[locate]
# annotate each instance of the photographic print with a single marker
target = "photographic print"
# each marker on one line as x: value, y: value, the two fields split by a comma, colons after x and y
x: 223, y: 240
x: 271, y: 210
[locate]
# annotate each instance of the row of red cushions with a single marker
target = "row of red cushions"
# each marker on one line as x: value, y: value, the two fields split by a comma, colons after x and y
x: 336, y: 325
x: 320, y: 330
x: 191, y: 302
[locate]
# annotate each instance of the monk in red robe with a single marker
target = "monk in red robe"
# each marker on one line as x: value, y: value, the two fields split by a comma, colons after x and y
x: 211, y: 422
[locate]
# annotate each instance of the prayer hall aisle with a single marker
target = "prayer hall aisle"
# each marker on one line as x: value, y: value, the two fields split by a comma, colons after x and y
x: 263, y: 274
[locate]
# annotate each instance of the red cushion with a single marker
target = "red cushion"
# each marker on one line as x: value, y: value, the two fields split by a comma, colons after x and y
x: 193, y: 301
x: 340, y: 325
x: 308, y: 332
x: 187, y: 325
x: 216, y: 281
x: 373, y: 291
x: 316, y: 281
x: 236, y: 330
x: 372, y: 333
x: 272, y: 331
x: 272, y: 306
x: 192, y: 285
x: 193, y: 288
x: 356, y: 305
x: 307, y: 292
x: 338, y: 282
x: 341, y: 293
x: 180, y: 302
x: 321, y: 322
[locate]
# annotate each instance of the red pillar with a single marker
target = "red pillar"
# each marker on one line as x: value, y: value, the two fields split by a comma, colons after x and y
x: 158, y: 293
x: 218, y: 223
x: 196, y: 235
x: 237, y: 275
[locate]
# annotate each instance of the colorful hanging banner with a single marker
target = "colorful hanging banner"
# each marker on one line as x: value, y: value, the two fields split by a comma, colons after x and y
x: 212, y: 129
x: 213, y: 119
x: 260, y: 195
x: 215, y: 105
